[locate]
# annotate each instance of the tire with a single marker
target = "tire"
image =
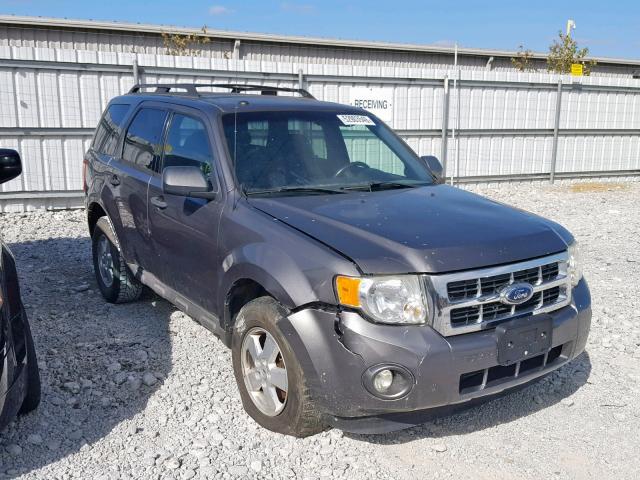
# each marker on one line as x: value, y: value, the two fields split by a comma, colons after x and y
x: 32, y: 398
x: 298, y: 417
x: 123, y: 287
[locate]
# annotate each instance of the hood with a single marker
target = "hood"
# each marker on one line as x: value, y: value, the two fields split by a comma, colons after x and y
x: 431, y: 229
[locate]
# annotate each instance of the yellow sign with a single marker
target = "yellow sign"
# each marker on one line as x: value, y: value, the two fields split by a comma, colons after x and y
x: 576, y: 69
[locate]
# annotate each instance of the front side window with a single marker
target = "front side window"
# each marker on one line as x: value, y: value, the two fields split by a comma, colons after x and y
x: 143, y: 142
x: 291, y: 150
x: 187, y: 144
x: 109, y: 129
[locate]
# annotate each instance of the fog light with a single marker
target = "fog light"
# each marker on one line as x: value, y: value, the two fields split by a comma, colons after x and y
x: 383, y: 380
x: 388, y: 381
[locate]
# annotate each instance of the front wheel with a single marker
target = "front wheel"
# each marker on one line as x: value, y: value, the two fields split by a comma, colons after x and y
x: 270, y: 379
x: 115, y: 280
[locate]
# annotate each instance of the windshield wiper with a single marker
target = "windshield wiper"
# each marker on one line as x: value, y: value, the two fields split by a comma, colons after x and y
x: 295, y: 189
x: 374, y: 186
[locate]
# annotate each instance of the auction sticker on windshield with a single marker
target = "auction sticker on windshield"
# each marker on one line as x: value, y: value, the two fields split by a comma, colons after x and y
x: 350, y: 120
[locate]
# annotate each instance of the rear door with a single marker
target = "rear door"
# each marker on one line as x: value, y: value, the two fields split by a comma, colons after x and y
x: 184, y: 230
x: 131, y: 173
x: 96, y: 172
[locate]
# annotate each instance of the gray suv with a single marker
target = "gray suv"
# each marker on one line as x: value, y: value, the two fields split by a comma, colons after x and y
x: 354, y: 288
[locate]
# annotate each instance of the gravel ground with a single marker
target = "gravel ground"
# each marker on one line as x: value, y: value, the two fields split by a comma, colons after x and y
x: 141, y: 391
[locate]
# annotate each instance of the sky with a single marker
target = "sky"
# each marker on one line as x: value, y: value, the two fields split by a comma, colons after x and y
x: 608, y: 29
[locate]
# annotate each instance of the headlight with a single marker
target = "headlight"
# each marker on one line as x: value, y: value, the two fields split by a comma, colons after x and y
x: 388, y: 299
x: 574, y: 267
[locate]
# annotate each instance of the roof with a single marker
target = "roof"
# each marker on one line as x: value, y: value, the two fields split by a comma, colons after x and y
x: 229, y: 102
x: 28, y: 21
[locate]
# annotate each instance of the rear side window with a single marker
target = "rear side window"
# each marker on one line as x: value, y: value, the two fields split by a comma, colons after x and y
x: 143, y: 142
x: 110, y: 128
x: 188, y: 144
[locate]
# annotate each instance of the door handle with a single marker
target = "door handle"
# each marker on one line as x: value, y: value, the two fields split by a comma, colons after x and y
x: 114, y: 180
x: 159, y: 202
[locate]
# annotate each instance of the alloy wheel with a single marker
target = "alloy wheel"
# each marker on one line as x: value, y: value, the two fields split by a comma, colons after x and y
x: 264, y: 371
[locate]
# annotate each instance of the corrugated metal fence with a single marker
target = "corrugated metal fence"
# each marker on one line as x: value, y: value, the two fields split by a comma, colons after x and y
x: 510, y: 125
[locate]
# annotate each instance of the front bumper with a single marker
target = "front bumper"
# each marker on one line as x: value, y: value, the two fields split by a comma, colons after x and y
x: 335, y: 349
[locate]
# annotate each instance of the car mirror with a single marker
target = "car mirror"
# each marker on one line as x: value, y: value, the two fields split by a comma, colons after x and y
x: 10, y: 164
x: 435, y: 166
x: 186, y: 182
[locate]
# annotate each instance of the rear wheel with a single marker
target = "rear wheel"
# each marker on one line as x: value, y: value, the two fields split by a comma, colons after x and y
x: 115, y: 280
x: 32, y: 398
x: 272, y: 384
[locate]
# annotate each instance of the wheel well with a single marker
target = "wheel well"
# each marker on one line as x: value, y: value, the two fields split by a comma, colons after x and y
x: 241, y: 293
x: 94, y: 212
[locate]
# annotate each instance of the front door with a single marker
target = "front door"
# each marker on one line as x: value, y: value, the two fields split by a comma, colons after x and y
x: 185, y: 229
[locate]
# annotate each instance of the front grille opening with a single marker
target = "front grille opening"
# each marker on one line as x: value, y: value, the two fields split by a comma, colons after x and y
x: 550, y: 296
x: 530, y: 275
x: 531, y: 364
x: 549, y: 271
x: 471, y: 380
x: 491, y: 311
x: 554, y: 354
x: 490, y: 285
x: 500, y: 372
x: 529, y: 304
x: 465, y: 316
x: 462, y: 289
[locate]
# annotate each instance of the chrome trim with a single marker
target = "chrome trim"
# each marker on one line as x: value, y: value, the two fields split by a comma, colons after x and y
x: 436, y: 288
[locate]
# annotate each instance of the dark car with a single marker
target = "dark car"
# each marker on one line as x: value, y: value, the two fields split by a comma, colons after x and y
x: 19, y: 375
x: 354, y: 288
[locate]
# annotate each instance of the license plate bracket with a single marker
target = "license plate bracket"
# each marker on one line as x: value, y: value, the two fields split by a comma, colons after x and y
x: 524, y: 338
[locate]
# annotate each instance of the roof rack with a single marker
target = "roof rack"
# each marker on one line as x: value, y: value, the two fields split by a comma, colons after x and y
x: 192, y: 88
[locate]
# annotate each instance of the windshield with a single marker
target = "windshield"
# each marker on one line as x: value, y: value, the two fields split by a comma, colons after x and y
x: 319, y: 152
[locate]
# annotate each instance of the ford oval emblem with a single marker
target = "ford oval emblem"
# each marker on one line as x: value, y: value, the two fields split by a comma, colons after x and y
x: 516, y: 293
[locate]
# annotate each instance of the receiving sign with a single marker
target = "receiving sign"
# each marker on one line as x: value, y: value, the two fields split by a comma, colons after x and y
x: 378, y: 101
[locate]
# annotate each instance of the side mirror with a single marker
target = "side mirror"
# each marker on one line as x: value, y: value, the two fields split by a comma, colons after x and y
x: 186, y: 182
x: 10, y: 164
x: 435, y: 166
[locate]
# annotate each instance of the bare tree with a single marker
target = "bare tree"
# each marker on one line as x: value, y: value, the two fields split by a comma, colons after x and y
x: 523, y: 61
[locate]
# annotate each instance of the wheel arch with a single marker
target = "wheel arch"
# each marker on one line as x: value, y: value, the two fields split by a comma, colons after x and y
x: 246, y: 288
x: 94, y: 213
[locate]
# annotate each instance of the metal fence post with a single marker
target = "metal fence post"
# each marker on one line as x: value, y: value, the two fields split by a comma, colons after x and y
x: 445, y: 125
x: 300, y: 78
x: 136, y: 72
x: 556, y: 128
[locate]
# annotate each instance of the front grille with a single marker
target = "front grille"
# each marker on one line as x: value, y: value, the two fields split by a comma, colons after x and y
x: 490, y: 312
x: 488, y: 377
x: 464, y: 289
x: 470, y: 301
